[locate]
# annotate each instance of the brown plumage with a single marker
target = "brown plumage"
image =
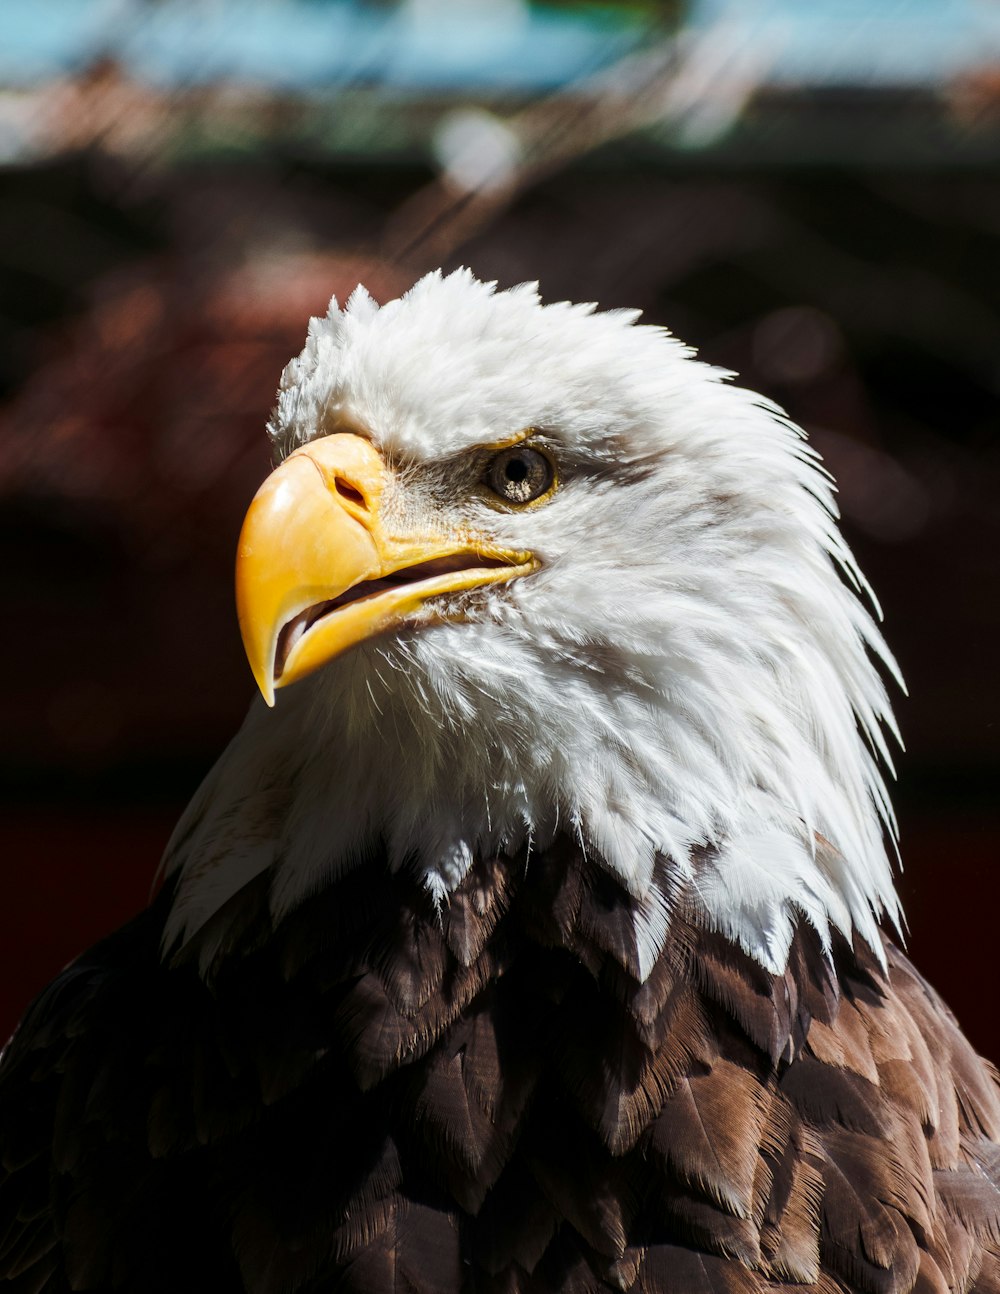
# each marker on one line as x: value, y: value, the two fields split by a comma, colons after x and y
x: 383, y: 1096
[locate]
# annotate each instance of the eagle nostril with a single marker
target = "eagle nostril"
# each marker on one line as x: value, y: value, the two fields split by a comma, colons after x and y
x: 350, y: 492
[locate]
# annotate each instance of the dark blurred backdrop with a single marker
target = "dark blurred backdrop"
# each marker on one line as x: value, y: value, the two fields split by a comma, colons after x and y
x: 808, y: 196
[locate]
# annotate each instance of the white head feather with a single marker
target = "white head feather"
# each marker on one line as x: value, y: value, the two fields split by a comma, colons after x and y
x: 689, y: 675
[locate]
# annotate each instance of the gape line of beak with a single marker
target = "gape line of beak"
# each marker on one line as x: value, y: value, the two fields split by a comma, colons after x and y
x: 318, y: 572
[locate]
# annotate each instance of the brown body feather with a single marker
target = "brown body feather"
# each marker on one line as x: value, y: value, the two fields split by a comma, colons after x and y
x: 379, y: 1096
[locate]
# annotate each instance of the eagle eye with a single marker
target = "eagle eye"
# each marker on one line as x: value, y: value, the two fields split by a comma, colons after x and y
x: 520, y: 474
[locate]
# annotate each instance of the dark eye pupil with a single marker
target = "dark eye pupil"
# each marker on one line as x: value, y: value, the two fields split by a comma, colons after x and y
x: 519, y: 475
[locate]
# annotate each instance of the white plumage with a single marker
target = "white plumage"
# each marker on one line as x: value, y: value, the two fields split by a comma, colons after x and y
x: 691, y: 673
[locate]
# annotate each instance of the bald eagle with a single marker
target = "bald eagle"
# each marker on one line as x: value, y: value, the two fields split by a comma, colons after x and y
x: 536, y: 931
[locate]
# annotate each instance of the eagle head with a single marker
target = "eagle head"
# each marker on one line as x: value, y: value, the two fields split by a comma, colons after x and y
x: 528, y: 569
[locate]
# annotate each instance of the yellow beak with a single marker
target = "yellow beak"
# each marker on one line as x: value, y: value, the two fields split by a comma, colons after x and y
x: 317, y: 571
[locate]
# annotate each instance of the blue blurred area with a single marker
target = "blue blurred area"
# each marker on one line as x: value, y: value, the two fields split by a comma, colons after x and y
x: 308, y: 44
x: 506, y: 45
x: 888, y: 43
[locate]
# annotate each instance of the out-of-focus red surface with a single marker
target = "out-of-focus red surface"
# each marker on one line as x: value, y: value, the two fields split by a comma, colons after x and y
x: 74, y: 876
x: 950, y: 890
x: 71, y: 876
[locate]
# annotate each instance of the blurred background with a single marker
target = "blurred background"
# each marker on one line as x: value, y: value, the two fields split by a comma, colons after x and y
x: 807, y: 193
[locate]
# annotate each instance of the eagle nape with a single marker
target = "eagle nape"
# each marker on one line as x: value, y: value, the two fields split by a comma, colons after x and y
x: 539, y: 935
